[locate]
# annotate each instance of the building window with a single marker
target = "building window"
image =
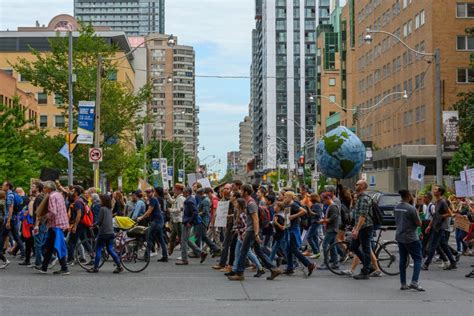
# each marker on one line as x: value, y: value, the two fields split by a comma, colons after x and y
x: 465, y: 10
x: 43, y: 121
x: 58, y: 100
x: 8, y: 71
x: 420, y: 114
x: 332, y: 98
x: 59, y: 121
x: 465, y: 75
x: 113, y: 76
x: 408, y: 118
x: 420, y: 19
x: 465, y: 43
x: 42, y: 98
x: 332, y: 82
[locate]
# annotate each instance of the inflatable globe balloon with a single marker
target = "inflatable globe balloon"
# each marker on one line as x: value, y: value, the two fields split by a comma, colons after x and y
x: 340, y: 154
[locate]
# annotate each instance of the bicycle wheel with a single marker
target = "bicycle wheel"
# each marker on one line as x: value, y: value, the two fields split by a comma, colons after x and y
x: 344, y: 258
x: 85, y: 253
x: 135, y: 256
x: 388, y: 258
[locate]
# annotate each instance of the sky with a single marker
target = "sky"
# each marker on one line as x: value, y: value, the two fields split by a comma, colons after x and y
x: 219, y: 31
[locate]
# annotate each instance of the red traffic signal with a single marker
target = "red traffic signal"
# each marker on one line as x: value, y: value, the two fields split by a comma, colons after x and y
x: 301, y: 160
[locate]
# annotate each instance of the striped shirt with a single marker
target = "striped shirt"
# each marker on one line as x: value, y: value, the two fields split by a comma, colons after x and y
x: 57, y: 214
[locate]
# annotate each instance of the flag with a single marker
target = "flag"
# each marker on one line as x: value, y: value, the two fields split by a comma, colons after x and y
x: 64, y: 151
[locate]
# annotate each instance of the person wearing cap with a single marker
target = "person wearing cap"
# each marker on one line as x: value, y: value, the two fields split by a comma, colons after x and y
x: 176, y: 215
x: 140, y: 208
x: 408, y: 221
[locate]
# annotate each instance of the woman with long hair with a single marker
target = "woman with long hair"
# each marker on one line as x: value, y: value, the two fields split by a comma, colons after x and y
x: 118, y: 204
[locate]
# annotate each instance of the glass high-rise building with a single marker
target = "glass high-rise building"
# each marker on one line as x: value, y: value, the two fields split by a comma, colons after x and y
x: 283, y: 71
x: 134, y: 17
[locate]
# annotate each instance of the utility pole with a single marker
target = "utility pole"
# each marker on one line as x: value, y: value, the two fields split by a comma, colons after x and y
x: 96, y: 165
x: 438, y: 115
x: 174, y: 165
x: 70, y: 166
x: 184, y: 167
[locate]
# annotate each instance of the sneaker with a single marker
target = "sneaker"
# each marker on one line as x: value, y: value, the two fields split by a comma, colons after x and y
x: 218, y: 267
x: 53, y: 263
x: 311, y: 268
x: 70, y: 263
x: 23, y: 263
x: 361, y: 276
x: 4, y: 265
x: 236, y: 277
x: 182, y: 263
x: 92, y: 270
x: 153, y: 254
x: 444, y: 264
x: 163, y: 259
x: 31, y: 265
x: 203, y: 257
x: 424, y: 267
x: 259, y: 273
x: 347, y: 272
x: 404, y: 287
x: 415, y: 286
x: 452, y: 266
x: 118, y: 270
x: 289, y: 272
x: 274, y: 274
x: 470, y: 274
x: 40, y: 270
x: 307, y: 253
x: 458, y: 257
x: 376, y: 274
x: 315, y: 256
x: 62, y: 272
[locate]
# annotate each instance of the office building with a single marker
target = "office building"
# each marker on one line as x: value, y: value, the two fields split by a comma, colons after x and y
x: 171, y: 71
x: 9, y: 91
x: 403, y: 130
x: 283, y: 79
x: 233, y: 162
x: 18, y: 44
x: 134, y: 17
x: 245, y: 144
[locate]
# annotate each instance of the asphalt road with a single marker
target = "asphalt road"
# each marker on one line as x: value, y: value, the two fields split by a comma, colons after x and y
x: 166, y: 289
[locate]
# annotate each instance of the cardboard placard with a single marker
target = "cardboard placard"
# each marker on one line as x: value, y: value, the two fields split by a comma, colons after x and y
x: 462, y: 223
x: 221, y: 213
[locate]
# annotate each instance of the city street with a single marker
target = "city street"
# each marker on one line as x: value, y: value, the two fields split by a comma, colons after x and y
x: 198, y: 290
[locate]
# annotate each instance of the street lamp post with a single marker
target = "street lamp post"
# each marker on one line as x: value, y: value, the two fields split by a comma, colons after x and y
x: 438, y: 110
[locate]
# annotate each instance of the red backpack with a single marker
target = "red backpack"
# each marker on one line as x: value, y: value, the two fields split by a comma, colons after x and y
x: 88, y: 218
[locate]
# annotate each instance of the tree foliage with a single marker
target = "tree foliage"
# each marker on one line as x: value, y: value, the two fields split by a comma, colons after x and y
x: 119, y: 105
x: 463, y: 157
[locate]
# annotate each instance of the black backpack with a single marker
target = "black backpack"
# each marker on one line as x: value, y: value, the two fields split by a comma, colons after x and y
x: 375, y: 213
x: 346, y: 216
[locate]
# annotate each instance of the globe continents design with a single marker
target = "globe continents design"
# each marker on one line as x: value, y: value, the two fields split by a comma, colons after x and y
x: 340, y: 153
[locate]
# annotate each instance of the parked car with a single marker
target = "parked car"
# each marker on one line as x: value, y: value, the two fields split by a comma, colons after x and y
x: 387, y: 203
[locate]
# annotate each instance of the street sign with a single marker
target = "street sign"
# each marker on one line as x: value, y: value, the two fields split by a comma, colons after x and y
x: 95, y: 154
x: 86, y: 120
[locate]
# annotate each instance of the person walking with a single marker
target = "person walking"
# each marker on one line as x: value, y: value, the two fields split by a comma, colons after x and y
x: 56, y: 222
x: 407, y: 221
x: 332, y: 222
x: 156, y: 231
x: 176, y: 215
x: 438, y: 226
x: 362, y: 232
x: 106, y: 235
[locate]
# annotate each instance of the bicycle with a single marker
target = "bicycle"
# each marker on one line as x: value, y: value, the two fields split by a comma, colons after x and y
x: 130, y: 246
x: 386, y: 253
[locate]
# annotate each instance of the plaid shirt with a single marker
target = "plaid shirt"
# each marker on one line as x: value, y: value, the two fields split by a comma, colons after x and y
x: 57, y: 214
x: 363, y: 209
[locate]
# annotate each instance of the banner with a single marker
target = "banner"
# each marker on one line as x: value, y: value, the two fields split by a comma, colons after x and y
x: 86, y: 119
x: 155, y: 164
x: 64, y: 151
x: 221, y: 213
x: 417, y: 172
x: 451, y: 130
x: 180, y: 175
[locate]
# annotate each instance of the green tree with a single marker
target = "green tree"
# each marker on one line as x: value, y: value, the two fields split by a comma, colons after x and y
x: 18, y: 161
x: 463, y: 157
x: 119, y: 105
x: 465, y: 107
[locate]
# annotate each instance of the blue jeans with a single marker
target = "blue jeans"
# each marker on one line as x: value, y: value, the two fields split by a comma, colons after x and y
x: 156, y: 234
x: 439, y: 239
x: 279, y: 244
x: 247, y: 243
x: 364, y: 241
x: 460, y: 244
x: 330, y: 239
x: 250, y: 254
x: 107, y: 241
x: 414, y: 250
x: 294, y: 251
x: 40, y: 239
x: 13, y: 233
x: 313, y: 237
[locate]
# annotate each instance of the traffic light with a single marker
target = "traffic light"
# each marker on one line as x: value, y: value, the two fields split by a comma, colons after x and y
x: 70, y: 140
x: 301, y: 160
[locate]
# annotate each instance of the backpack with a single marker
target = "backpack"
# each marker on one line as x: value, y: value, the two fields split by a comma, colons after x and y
x: 375, y: 213
x: 264, y: 217
x: 88, y: 216
x: 346, y: 216
x: 17, y: 203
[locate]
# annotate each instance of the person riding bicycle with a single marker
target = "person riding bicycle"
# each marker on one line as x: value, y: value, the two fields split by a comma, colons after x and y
x: 106, y: 235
